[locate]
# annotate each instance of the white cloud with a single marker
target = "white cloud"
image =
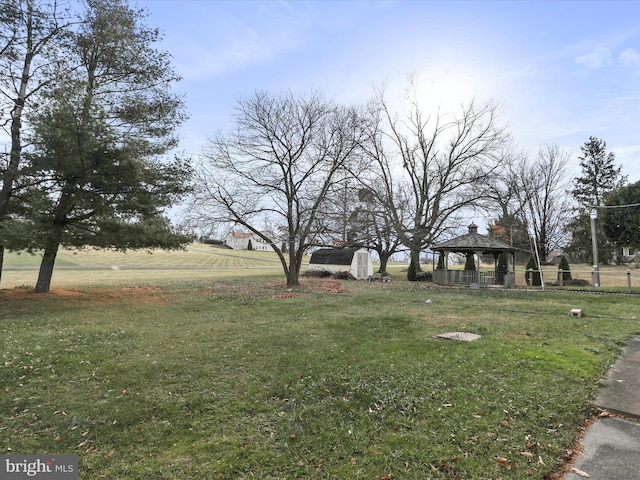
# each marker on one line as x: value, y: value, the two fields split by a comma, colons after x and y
x: 597, y: 58
x: 630, y: 58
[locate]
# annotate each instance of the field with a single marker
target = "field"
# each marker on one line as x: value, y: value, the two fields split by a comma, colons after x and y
x: 218, y: 371
x: 198, y: 261
x: 98, y: 267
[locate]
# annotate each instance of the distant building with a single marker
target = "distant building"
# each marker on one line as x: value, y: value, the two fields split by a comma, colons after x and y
x: 629, y: 254
x: 356, y: 261
x: 247, y: 241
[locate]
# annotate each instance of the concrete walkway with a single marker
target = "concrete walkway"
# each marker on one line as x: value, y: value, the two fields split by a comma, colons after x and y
x: 611, y: 446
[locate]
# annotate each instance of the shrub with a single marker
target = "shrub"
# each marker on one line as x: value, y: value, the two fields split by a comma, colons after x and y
x: 424, y: 277
x: 564, y: 268
x: 327, y: 274
x: 317, y: 273
x: 343, y: 276
x: 470, y: 264
x: 502, y: 268
x: 532, y: 277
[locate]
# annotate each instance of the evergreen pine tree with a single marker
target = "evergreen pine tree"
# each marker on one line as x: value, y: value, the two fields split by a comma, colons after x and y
x: 599, y: 174
x: 563, y: 269
x: 502, y: 268
x: 532, y: 274
x: 470, y: 263
x: 599, y: 177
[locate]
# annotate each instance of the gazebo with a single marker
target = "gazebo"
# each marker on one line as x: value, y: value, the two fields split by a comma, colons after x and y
x: 477, y: 245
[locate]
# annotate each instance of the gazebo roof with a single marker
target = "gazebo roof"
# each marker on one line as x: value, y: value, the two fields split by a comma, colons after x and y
x: 473, y: 242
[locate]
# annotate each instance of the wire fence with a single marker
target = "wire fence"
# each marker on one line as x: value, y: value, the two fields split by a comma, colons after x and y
x: 618, y: 278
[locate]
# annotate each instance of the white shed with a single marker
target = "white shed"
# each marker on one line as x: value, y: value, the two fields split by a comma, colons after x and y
x: 356, y: 261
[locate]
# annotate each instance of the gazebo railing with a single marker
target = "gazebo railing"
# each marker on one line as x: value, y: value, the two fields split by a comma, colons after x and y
x: 468, y: 277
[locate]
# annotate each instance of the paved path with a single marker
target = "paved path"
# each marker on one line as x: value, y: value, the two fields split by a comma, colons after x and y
x: 611, y: 446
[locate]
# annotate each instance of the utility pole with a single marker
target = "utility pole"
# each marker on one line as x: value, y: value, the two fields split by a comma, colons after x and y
x: 594, y: 242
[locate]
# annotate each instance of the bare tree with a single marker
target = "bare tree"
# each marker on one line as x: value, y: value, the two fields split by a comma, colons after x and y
x: 543, y: 190
x: 278, y: 165
x: 32, y: 33
x: 505, y: 201
x: 434, y: 164
x: 376, y: 227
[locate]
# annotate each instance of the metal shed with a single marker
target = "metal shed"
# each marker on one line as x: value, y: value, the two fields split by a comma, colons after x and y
x: 475, y: 244
x: 356, y: 261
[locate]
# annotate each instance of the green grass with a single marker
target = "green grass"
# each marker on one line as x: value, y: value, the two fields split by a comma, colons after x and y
x: 195, y: 255
x: 76, y: 268
x: 198, y: 261
x: 238, y: 378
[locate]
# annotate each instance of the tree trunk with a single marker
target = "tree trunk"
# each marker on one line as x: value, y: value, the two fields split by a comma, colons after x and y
x: 43, y: 284
x: 1, y: 261
x: 292, y: 280
x: 384, y: 259
x: 293, y: 272
x: 293, y: 275
x: 414, y: 265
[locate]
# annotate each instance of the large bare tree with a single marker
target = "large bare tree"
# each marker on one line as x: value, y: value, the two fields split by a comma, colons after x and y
x: 543, y: 188
x: 506, y: 201
x: 433, y: 163
x: 276, y: 167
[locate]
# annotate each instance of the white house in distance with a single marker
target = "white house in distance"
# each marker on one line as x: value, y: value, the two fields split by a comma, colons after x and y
x: 247, y: 241
x: 356, y: 261
x: 629, y: 254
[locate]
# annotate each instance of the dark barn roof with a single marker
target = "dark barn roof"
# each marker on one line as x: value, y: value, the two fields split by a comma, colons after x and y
x: 473, y: 241
x: 333, y: 256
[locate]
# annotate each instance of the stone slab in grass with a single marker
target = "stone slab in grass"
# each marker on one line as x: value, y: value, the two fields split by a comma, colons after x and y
x: 460, y: 336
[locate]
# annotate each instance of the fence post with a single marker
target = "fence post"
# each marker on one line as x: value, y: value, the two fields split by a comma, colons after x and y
x: 629, y: 279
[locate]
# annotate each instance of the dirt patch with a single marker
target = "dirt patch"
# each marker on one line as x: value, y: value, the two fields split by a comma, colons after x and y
x: 324, y: 286
x: 158, y: 295
x: 146, y: 295
x: 29, y: 293
x: 287, y: 295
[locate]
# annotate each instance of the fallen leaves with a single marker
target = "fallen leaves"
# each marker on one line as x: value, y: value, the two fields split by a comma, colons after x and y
x: 580, y: 472
x: 503, y: 462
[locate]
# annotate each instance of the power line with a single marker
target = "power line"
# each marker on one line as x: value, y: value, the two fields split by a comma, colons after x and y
x: 617, y: 206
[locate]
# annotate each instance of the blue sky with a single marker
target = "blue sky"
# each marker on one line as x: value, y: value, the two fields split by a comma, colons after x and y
x: 561, y: 71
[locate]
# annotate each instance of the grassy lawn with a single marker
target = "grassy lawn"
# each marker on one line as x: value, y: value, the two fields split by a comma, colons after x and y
x: 238, y: 378
x: 199, y: 261
x: 75, y: 268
